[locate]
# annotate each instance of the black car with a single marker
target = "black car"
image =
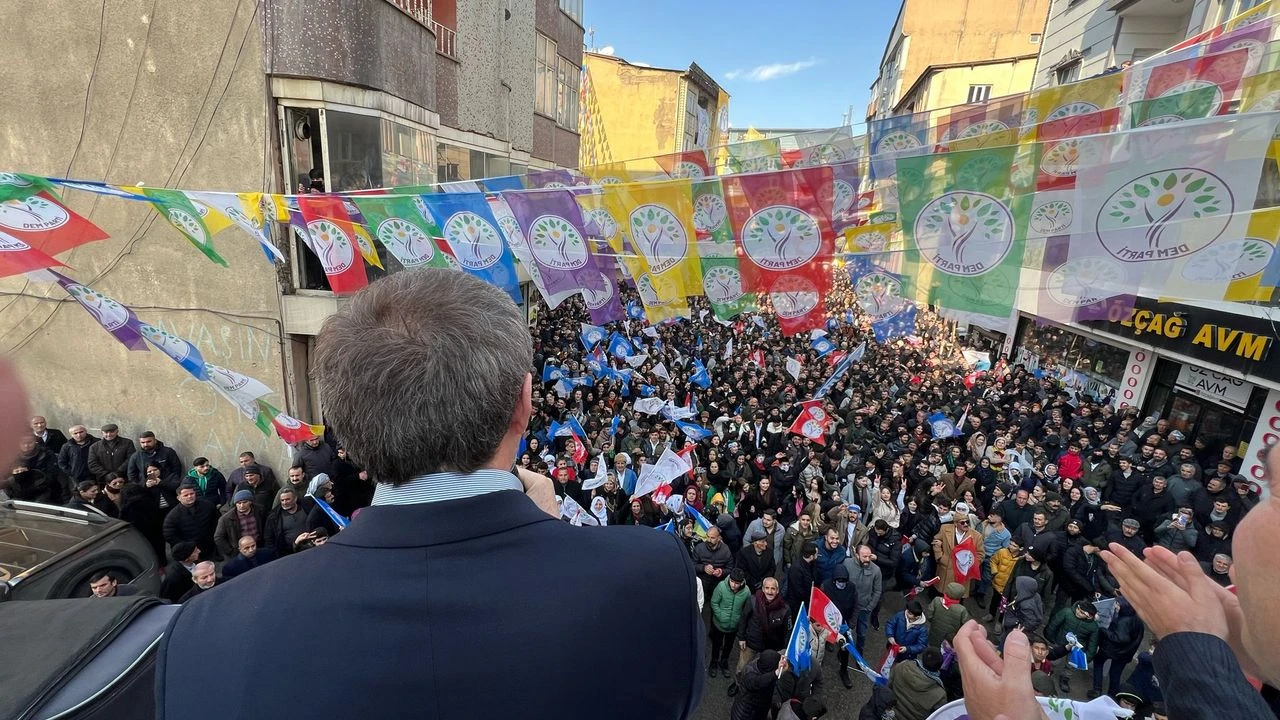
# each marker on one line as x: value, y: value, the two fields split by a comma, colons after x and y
x: 49, y: 552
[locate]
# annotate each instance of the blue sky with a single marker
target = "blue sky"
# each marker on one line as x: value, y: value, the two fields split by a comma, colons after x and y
x: 785, y: 64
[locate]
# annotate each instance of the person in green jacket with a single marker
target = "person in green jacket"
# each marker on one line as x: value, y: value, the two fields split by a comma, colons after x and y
x: 727, y: 604
x: 1080, y: 619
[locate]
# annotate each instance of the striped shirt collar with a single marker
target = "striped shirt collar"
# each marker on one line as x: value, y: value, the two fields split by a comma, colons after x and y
x: 438, y: 487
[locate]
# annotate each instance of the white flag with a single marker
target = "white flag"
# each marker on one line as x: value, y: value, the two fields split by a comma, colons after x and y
x: 815, y: 333
x: 569, y: 508
x: 650, y: 331
x: 677, y: 412
x: 635, y: 361
x: 602, y: 474
x: 661, y: 371
x: 240, y: 390
x: 671, y: 466
x: 648, y: 406
x: 728, y: 349
x: 793, y: 367
x: 646, y: 482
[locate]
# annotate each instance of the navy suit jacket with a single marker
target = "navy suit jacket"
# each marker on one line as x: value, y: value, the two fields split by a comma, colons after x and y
x: 483, y: 607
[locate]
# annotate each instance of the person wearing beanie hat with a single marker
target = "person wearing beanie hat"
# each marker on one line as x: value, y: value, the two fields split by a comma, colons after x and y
x: 176, y: 580
x: 946, y: 614
x: 728, y: 602
x: 754, y: 698
x: 242, y: 519
x: 1080, y: 621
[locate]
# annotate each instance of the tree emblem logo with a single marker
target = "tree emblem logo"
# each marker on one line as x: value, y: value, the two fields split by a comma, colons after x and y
x: 1164, y: 215
x: 511, y: 229
x: 879, y: 294
x: 188, y: 225
x: 793, y: 296
x: 723, y: 284
x: 1051, y: 217
x: 556, y: 243
x: 9, y: 243
x: 781, y: 237
x: 1193, y: 85
x: 660, y: 236
x: 709, y: 213
x: 332, y: 246
x: 1084, y: 281
x: 1063, y: 158
x: 475, y: 241
x: 688, y: 169
x: 425, y: 211
x: 869, y: 241
x: 1071, y: 109
x: 554, y: 185
x: 596, y: 299
x: 603, y: 221
x: 1266, y: 103
x: 109, y: 313
x: 897, y: 141
x: 1232, y: 259
x: 941, y: 428
x: 33, y: 214
x: 406, y: 241
x: 964, y: 233
x: 811, y: 430
x: 171, y: 345
x: 648, y: 293
x: 842, y: 199
x: 825, y: 154
x: 982, y: 127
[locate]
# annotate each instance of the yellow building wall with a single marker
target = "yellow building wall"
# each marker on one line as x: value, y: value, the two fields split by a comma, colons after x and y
x: 634, y: 112
x: 943, y: 33
x: 950, y: 86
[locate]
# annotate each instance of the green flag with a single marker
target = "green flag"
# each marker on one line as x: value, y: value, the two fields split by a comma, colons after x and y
x: 20, y: 186
x: 405, y: 227
x: 1190, y: 105
x: 176, y: 208
x: 721, y: 278
x: 965, y: 227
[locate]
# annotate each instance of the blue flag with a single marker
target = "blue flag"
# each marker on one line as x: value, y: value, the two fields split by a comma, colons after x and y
x: 524, y: 445
x: 337, y: 519
x: 866, y: 669
x: 760, y: 321
x: 838, y: 372
x: 647, y: 390
x: 700, y: 376
x: 567, y: 428
x: 551, y: 372
x: 613, y: 425
x: 799, y: 652
x: 822, y: 345
x: 625, y: 391
x: 859, y: 351
x: 700, y: 522
x: 698, y: 345
x: 635, y: 310
x: 620, y: 347
x: 692, y: 431
x: 584, y: 381
x: 942, y: 426
x: 507, y: 182
x: 470, y: 229
x: 591, y: 335
x: 898, y: 325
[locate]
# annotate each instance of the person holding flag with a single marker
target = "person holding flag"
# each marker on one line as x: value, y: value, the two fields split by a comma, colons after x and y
x: 842, y: 596
x: 958, y: 553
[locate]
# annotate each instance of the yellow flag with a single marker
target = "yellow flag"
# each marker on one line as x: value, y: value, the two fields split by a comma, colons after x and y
x: 1077, y: 98
x: 363, y: 241
x: 874, y: 238
x: 601, y: 219
x: 658, y: 309
x: 609, y: 174
x: 657, y: 220
x: 1248, y: 257
x: 1261, y: 93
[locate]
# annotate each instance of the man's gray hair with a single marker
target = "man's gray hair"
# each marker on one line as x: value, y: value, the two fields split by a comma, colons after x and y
x: 421, y: 372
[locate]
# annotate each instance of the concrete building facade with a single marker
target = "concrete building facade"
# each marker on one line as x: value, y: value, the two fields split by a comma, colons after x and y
x: 249, y: 95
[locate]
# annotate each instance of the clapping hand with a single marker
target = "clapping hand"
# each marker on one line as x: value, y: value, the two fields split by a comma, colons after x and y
x: 996, y: 688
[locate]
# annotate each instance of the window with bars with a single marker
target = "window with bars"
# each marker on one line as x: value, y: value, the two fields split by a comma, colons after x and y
x: 545, y: 76
x: 570, y: 81
x: 979, y: 93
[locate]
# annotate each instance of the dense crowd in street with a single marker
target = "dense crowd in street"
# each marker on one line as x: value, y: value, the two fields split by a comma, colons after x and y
x: 1035, y: 481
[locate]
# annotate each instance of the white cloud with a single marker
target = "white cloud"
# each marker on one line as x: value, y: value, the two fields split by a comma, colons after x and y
x: 772, y: 71
x: 606, y: 50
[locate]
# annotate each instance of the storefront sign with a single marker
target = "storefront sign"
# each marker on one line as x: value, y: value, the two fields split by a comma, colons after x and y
x: 1137, y: 375
x: 1266, y: 433
x: 1236, y: 342
x: 1215, y: 387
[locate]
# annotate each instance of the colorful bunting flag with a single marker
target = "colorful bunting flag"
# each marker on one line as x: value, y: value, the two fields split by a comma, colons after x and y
x: 330, y: 235
x: 42, y: 223
x: 109, y: 314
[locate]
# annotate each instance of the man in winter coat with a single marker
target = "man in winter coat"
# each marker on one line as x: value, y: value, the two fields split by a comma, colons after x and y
x: 865, y: 575
x: 946, y: 614
x: 711, y: 560
x: 831, y: 554
x: 768, y: 525
x: 917, y: 686
x: 1117, y: 644
x: 801, y: 531
x: 73, y: 458
x: 151, y: 450
x: 800, y: 578
x: 1078, y: 566
x: 38, y: 459
x: 250, y: 557
x: 192, y: 520
x: 1081, y: 620
x: 952, y: 535
x: 209, y: 482
x: 844, y: 595
x: 755, y: 687
x: 886, y: 545
x: 765, y: 623
x: 755, y: 560
x: 242, y: 520
x: 728, y: 602
x: 1151, y: 505
x: 1179, y: 532
x: 110, y: 454
x: 316, y: 456
x: 907, y: 630
x: 264, y: 489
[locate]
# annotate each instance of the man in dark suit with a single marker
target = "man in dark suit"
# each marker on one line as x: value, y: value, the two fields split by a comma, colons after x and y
x: 459, y: 570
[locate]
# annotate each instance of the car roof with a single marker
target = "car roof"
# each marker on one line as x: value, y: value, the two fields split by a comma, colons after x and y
x: 32, y: 533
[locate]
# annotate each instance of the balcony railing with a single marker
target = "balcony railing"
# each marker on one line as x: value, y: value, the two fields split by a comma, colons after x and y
x: 420, y: 10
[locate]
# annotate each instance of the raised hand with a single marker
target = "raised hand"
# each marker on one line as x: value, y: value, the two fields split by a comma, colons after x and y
x: 996, y: 688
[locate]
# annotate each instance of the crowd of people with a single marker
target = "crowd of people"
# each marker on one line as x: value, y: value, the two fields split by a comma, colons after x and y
x: 1005, y: 521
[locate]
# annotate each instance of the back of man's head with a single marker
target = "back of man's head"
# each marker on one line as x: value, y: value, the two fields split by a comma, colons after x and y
x: 422, y: 372
x: 931, y: 659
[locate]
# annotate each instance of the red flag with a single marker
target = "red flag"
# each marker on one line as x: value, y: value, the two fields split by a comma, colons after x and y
x: 687, y: 453
x: 689, y: 164
x: 661, y: 494
x: 290, y: 429
x: 781, y: 227
x: 824, y: 612
x: 332, y: 237
x: 578, y: 448
x: 1223, y: 69
x: 46, y: 225
x: 757, y: 357
x: 812, y: 422
x: 16, y: 257
x: 964, y: 561
x: 834, y: 358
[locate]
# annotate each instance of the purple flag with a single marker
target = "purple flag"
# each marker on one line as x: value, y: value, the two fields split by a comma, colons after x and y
x: 552, y: 225
x: 604, y: 305
x: 111, y: 315
x: 550, y: 179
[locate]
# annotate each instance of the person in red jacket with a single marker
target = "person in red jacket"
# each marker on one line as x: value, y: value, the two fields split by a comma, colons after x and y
x: 1070, y: 465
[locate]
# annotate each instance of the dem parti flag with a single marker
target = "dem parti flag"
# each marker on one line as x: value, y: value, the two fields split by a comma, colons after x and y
x: 552, y: 224
x: 721, y: 274
x: 111, y: 315
x: 331, y: 236
x: 41, y: 222
x: 406, y: 228
x: 965, y: 225
x: 472, y: 233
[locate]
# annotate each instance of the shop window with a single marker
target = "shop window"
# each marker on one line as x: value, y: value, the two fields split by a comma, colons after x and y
x: 544, y: 78
x: 1097, y: 367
